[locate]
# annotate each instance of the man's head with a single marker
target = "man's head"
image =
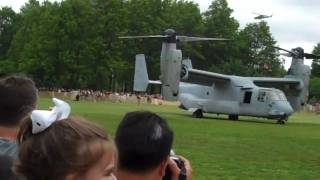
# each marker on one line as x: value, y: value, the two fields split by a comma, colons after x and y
x: 18, y: 97
x: 144, y: 141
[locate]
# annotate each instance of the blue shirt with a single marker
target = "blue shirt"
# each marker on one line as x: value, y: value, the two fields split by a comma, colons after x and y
x: 8, y: 147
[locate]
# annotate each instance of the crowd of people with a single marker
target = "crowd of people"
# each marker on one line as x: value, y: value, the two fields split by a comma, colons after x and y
x: 102, y: 95
x: 51, y: 145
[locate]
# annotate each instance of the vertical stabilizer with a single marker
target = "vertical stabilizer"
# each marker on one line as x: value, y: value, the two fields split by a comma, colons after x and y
x: 141, y: 78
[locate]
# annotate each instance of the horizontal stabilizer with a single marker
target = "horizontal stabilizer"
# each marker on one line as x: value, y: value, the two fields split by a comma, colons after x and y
x: 155, y: 82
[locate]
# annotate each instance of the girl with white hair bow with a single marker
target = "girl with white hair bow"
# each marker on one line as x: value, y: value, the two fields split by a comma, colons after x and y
x: 54, y: 146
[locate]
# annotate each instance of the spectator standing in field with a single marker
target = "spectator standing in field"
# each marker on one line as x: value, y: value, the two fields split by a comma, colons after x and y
x: 144, y: 141
x: 18, y: 97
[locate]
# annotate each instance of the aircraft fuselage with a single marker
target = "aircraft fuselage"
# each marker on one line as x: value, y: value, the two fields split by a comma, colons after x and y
x: 235, y: 100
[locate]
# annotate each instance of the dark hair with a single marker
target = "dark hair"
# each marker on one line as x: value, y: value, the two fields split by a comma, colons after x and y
x: 143, y: 140
x: 18, y: 97
x: 71, y: 145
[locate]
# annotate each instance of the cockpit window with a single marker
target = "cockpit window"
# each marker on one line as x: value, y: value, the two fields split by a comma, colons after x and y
x: 270, y: 95
x: 282, y: 96
x: 277, y: 96
x: 273, y: 96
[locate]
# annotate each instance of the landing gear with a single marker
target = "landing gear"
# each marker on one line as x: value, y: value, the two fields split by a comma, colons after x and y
x: 283, y: 119
x: 233, y: 117
x: 197, y: 114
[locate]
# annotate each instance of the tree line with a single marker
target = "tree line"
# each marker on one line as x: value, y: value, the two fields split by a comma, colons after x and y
x: 75, y: 44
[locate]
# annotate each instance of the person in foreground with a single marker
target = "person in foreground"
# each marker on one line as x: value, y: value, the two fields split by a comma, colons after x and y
x: 18, y: 97
x: 144, y: 141
x: 53, y: 146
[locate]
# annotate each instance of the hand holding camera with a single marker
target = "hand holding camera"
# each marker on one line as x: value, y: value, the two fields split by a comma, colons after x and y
x: 179, y: 168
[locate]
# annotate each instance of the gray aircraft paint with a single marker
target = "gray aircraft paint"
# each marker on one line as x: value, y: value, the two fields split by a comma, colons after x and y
x: 225, y: 94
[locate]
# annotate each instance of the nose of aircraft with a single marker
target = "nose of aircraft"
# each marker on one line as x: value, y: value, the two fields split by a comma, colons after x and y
x: 284, y: 106
x: 288, y: 109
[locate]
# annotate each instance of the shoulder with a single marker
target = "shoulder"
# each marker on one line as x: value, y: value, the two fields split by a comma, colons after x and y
x: 8, y: 147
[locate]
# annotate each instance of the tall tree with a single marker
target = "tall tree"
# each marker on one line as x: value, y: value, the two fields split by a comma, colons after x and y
x: 9, y: 21
x: 258, y: 55
x: 314, y: 88
x: 219, y: 23
x: 8, y: 18
x: 315, y: 71
x: 21, y: 51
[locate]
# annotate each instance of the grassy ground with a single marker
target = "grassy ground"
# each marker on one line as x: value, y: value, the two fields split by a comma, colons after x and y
x: 221, y: 149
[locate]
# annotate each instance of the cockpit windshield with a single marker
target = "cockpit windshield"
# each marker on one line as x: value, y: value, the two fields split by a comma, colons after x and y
x: 277, y: 96
x: 271, y: 95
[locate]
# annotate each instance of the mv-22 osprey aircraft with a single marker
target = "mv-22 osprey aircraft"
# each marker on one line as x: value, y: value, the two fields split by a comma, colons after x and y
x: 207, y: 92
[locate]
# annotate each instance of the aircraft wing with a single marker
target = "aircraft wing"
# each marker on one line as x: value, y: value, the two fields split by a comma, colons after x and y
x: 274, y: 82
x: 206, y: 78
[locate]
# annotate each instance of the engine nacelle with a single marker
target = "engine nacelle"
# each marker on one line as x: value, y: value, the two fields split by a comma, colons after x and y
x: 170, y: 75
x: 184, y: 72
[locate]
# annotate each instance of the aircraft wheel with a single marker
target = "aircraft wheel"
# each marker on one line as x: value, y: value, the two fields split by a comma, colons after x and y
x: 197, y: 114
x: 285, y: 118
x: 233, y: 117
x: 281, y: 122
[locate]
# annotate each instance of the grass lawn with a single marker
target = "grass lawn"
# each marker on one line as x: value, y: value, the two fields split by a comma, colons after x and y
x: 250, y: 148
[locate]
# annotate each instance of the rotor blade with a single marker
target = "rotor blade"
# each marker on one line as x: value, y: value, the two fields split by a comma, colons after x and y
x: 291, y: 52
x: 256, y: 13
x: 311, y: 56
x: 140, y: 37
x: 286, y: 54
x: 191, y: 39
x: 283, y: 49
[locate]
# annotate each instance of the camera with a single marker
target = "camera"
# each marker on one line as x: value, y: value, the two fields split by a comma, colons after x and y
x: 180, y: 164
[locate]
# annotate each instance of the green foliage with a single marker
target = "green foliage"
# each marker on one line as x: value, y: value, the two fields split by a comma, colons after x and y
x: 74, y: 44
x: 315, y: 71
x: 9, y: 21
x: 314, y: 89
x: 260, y: 57
x: 219, y: 23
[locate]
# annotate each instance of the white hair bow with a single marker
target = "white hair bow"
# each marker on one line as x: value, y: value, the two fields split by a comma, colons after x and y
x: 42, y: 119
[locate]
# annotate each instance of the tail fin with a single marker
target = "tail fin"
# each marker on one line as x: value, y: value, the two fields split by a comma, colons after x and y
x: 141, y: 78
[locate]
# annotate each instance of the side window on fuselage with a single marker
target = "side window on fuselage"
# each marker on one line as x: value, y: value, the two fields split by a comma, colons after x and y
x: 261, y: 96
x: 247, y: 97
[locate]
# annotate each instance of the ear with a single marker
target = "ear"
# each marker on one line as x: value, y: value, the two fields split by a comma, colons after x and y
x: 163, y: 166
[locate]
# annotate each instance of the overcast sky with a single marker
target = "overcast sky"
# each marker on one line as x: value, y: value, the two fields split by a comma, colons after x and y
x: 294, y: 22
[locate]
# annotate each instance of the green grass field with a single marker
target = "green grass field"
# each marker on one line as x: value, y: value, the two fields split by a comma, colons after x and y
x: 222, y: 149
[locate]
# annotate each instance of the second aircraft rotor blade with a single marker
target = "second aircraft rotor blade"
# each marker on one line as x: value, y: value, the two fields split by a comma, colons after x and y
x: 191, y: 39
x: 141, y: 37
